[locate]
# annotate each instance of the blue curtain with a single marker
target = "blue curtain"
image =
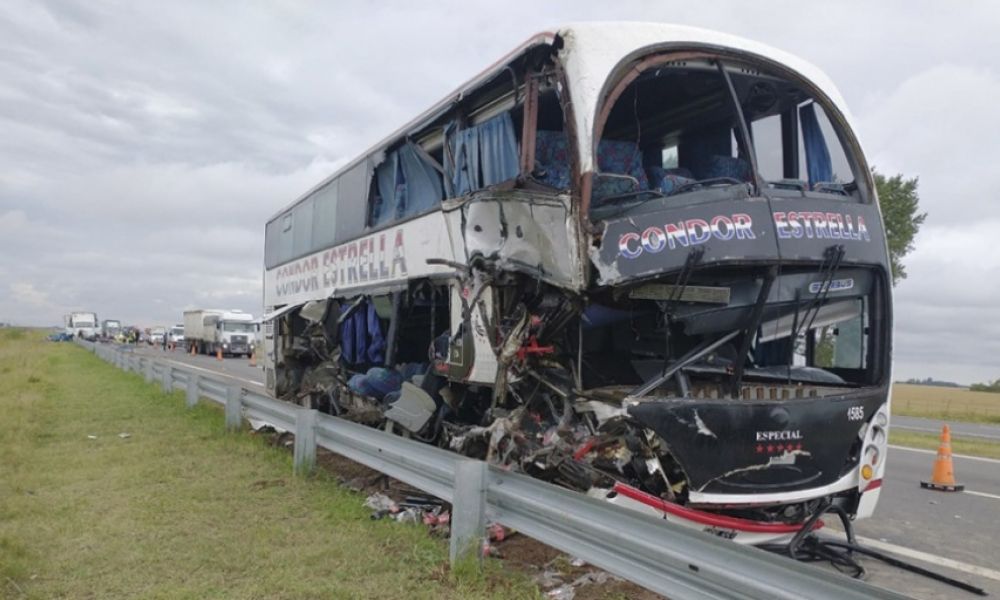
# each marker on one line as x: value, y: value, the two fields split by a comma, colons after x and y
x: 423, y: 182
x: 361, y: 340
x: 387, y: 176
x: 376, y: 343
x: 462, y: 166
x: 498, y: 150
x: 481, y: 155
x: 407, y: 185
x: 818, y: 164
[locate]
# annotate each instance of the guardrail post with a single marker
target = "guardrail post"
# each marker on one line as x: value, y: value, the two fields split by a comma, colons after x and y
x: 468, y: 512
x: 149, y: 370
x: 304, y: 457
x: 234, y: 408
x: 168, y: 379
x: 192, y: 389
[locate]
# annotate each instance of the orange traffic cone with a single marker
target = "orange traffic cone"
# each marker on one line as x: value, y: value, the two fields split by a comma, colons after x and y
x: 253, y: 358
x: 943, y: 477
x: 218, y: 353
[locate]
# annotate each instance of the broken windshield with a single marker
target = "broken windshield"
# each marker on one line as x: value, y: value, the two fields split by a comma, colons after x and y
x: 675, y: 131
x: 721, y: 329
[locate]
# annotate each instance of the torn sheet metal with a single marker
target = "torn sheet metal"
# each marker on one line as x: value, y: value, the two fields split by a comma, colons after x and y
x: 522, y: 231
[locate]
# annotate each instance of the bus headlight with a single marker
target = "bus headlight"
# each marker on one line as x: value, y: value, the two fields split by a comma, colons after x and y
x: 875, y: 440
x: 878, y: 436
x: 871, y: 456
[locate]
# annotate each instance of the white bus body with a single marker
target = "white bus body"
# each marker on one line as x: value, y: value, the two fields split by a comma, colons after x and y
x: 643, y: 261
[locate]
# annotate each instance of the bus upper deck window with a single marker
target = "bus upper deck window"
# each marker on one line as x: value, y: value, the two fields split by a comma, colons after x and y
x: 682, y: 117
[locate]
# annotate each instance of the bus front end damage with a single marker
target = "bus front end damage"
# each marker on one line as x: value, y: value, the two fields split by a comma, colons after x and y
x: 736, y: 401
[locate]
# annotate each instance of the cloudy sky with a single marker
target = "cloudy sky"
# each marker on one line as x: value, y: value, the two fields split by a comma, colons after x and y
x: 144, y: 144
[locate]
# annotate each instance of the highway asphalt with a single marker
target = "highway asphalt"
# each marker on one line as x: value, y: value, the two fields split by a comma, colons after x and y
x: 958, y: 428
x: 957, y: 534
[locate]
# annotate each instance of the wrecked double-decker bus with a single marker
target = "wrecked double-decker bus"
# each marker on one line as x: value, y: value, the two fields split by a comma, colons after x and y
x: 640, y: 261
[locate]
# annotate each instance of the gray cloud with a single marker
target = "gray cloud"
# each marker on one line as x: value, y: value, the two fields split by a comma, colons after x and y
x: 143, y: 147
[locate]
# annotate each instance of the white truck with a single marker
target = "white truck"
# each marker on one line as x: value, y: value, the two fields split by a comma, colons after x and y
x: 176, y: 335
x: 211, y: 330
x: 110, y: 329
x: 82, y: 324
x: 156, y: 335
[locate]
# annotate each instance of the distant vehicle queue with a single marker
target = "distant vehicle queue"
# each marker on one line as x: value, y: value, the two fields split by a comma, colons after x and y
x: 204, y: 331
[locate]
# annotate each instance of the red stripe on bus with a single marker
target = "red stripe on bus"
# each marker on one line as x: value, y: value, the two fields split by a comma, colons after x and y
x: 706, y: 518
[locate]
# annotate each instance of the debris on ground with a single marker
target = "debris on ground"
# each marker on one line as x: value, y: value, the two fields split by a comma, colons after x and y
x: 91, y: 437
x: 545, y: 565
x: 123, y: 435
x: 258, y: 426
x: 552, y: 582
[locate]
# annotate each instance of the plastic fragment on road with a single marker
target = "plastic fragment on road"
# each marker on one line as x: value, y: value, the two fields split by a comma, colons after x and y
x: 263, y: 426
x: 568, y: 591
x: 381, y: 505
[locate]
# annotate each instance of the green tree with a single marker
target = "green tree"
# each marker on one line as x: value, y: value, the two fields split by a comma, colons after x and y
x: 990, y: 386
x: 900, y: 211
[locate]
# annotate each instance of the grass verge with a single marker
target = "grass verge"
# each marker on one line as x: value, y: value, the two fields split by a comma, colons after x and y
x: 177, y: 508
x: 946, y: 404
x: 931, y: 441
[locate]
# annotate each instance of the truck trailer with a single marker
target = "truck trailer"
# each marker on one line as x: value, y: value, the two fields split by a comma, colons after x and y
x: 212, y: 330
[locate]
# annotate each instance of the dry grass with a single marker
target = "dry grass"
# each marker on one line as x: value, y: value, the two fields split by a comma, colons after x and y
x: 180, y: 509
x: 945, y: 403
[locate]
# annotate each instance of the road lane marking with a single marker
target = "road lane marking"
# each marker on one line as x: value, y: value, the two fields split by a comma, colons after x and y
x: 213, y: 372
x: 983, y: 494
x: 934, y: 452
x: 926, y: 557
x: 931, y: 558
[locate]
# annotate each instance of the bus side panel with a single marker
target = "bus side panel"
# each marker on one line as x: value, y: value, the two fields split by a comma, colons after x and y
x: 393, y: 255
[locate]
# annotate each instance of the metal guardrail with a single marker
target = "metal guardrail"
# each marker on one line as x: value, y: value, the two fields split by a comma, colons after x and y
x: 678, y: 562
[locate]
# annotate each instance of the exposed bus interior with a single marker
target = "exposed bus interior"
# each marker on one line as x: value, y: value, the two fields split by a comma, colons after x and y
x: 674, y: 137
x: 561, y: 403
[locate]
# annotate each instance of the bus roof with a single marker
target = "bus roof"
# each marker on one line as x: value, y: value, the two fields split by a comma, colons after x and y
x: 590, y: 52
